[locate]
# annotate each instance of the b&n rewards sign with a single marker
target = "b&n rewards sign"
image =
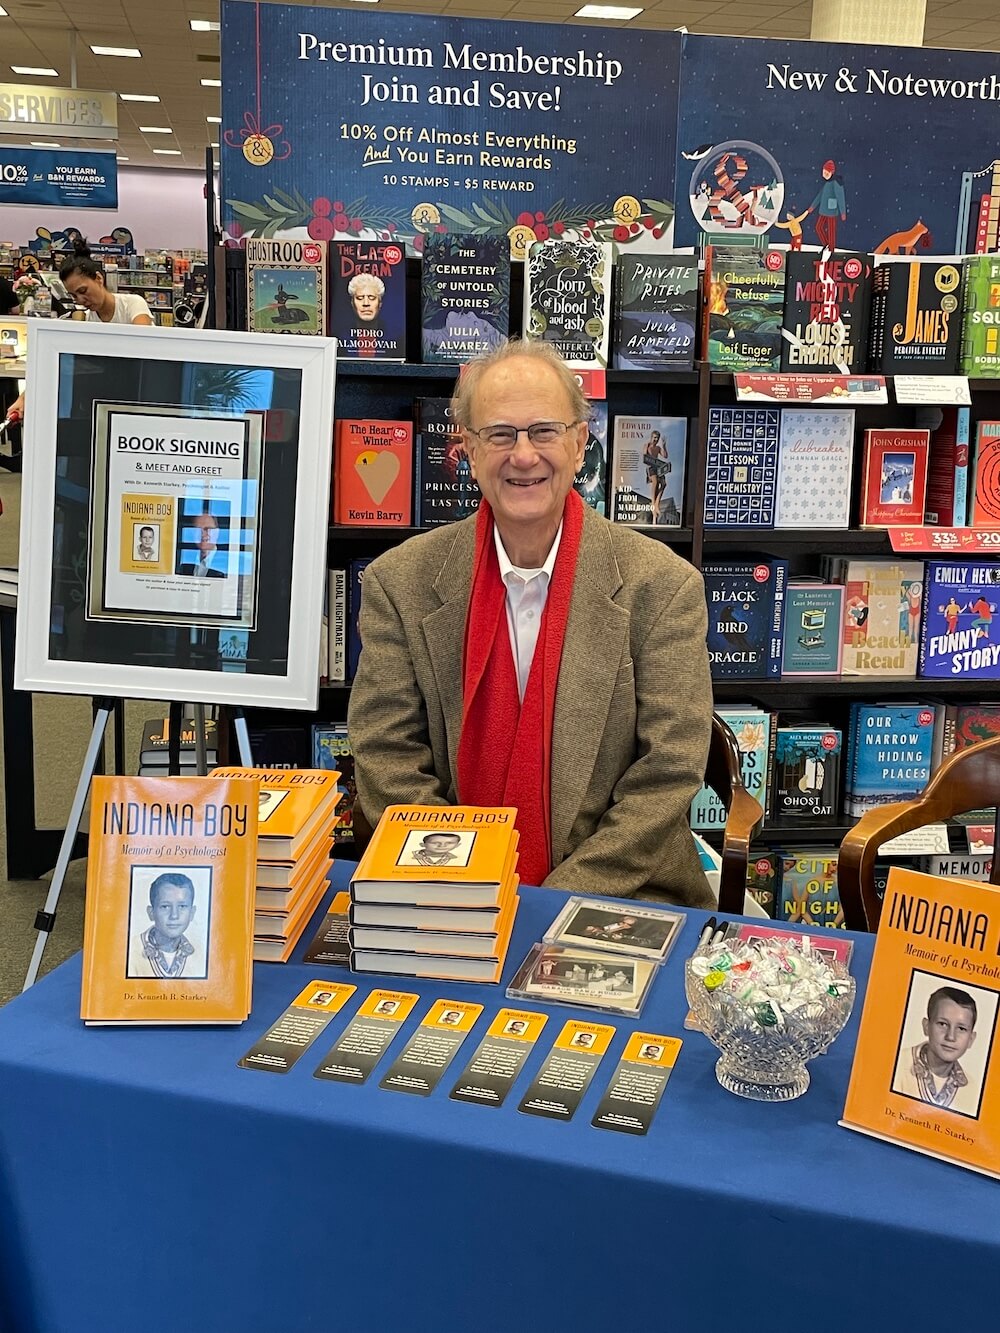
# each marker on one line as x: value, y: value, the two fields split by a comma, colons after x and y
x: 53, y: 176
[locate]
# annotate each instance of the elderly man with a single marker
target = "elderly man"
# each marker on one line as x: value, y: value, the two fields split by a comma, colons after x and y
x: 538, y: 656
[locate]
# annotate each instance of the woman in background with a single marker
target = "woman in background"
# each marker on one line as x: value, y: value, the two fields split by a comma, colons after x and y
x: 83, y: 277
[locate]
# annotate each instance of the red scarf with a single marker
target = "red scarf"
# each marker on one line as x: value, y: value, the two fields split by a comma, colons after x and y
x: 505, y: 749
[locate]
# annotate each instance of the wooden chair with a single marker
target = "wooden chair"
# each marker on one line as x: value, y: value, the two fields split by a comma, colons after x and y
x: 744, y: 815
x: 968, y: 780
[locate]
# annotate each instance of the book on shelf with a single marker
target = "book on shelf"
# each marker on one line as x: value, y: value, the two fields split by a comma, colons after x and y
x: 356, y: 574
x: 398, y: 916
x: 951, y: 866
x: 894, y: 478
x: 980, y: 347
x: 464, y: 296
x: 958, y: 638
x: 746, y: 610
x: 926, y: 1071
x: 754, y: 730
x: 433, y: 967
x: 889, y: 752
x: 763, y: 878
x: 741, y: 467
x: 744, y: 295
x: 368, y: 300
x: 947, y: 501
x: 279, y: 745
x: 655, y: 311
x: 373, y: 473
x: 336, y: 626
x: 808, y: 891
x: 827, y: 307
x: 445, y: 489
x: 883, y: 600
x: 294, y: 805
x: 331, y: 750
x: 648, y: 458
x: 275, y: 934
x: 567, y: 299
x: 916, y: 327
x: 168, y: 922
x: 278, y: 881
x: 286, y: 286
x: 807, y: 773
x: 812, y: 639
x: 591, y: 480
x: 155, y: 744
x: 984, y: 485
x: 815, y: 465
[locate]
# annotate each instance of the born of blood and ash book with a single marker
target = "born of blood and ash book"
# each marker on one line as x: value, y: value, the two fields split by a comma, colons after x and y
x: 445, y: 489
x: 960, y: 633
x: 815, y: 462
x: 464, y: 295
x: 648, y: 457
x: 656, y: 312
x: 984, y: 509
x: 591, y: 481
x: 746, y: 610
x: 168, y: 926
x: 894, y: 478
x: 916, y: 326
x: 827, y: 306
x: 980, y: 353
x: 373, y: 473
x: 567, y: 299
x: 883, y: 600
x: 926, y: 1072
x: 286, y: 286
x: 742, y: 466
x: 741, y: 314
x: 368, y: 300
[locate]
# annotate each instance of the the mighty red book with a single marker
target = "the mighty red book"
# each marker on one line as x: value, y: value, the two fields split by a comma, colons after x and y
x: 894, y: 482
x: 373, y: 473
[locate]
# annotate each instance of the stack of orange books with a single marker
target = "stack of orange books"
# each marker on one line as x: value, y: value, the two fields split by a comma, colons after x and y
x: 435, y: 893
x: 296, y: 816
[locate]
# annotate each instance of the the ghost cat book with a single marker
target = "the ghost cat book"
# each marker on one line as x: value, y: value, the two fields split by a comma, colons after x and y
x: 567, y: 299
x: 368, y: 300
x: 744, y: 297
x: 286, y: 286
x: 656, y: 311
x: 827, y: 305
x: 465, y: 296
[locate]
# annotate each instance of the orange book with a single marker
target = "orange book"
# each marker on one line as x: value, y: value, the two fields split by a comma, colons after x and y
x: 168, y: 925
x: 438, y: 855
x: 926, y: 1072
x: 373, y: 473
x: 452, y: 943
x: 273, y: 942
x: 295, y: 804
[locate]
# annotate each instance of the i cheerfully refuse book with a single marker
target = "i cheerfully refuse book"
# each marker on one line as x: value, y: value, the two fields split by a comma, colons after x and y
x: 926, y: 1073
x: 168, y: 925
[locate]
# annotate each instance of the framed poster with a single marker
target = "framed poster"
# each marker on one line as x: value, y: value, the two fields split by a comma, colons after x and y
x: 175, y: 503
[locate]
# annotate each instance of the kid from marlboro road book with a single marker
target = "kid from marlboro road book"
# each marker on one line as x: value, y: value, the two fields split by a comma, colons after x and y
x: 815, y: 461
x: 827, y: 305
x: 567, y: 299
x: 925, y: 1073
x: 958, y: 637
x: 741, y: 315
x: 373, y: 473
x: 368, y: 300
x: 295, y: 806
x: 883, y: 600
x: 916, y: 326
x: 590, y: 483
x: 648, y: 459
x: 742, y: 467
x: 656, y: 312
x: 980, y: 352
x: 465, y: 296
x: 894, y: 478
x: 168, y: 926
x: 286, y: 286
x: 985, y: 483
x: 445, y: 487
x: 746, y: 607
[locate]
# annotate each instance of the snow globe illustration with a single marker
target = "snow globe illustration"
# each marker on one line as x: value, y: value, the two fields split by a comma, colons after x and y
x: 736, y: 187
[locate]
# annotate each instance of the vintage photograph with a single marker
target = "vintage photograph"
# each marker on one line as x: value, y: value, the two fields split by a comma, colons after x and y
x: 267, y: 803
x: 945, y: 1043
x: 146, y: 542
x: 451, y: 1018
x: 440, y: 848
x: 386, y: 1008
x: 625, y: 929
x: 168, y: 926
x: 555, y: 971
x: 584, y: 1039
x: 515, y: 1027
x: 651, y: 1052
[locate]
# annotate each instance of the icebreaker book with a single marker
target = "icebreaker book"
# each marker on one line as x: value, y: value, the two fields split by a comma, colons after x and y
x: 926, y: 1074
x: 168, y: 924
x: 295, y: 805
x: 567, y: 299
x: 656, y: 311
x: 958, y: 638
x: 465, y: 296
x: 815, y: 463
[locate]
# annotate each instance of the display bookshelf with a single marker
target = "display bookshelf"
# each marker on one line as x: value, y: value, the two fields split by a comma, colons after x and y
x: 150, y: 276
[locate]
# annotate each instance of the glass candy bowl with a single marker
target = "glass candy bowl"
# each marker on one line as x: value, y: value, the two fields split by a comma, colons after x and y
x: 764, y: 1047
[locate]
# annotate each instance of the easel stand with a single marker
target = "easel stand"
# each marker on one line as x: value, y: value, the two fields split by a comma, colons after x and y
x: 45, y: 918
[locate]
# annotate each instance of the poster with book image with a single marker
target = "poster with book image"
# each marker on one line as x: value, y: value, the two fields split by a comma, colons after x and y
x: 368, y: 300
x: 464, y: 295
x: 656, y: 312
x: 567, y: 299
x: 648, y: 458
x: 286, y: 286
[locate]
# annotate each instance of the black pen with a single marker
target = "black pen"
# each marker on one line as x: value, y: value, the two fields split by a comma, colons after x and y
x: 708, y: 930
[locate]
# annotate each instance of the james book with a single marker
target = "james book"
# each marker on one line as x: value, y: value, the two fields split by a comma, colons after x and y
x: 648, y: 457
x: 445, y: 487
x: 286, y: 286
x: 567, y: 299
x: 894, y: 478
x: 741, y: 314
x: 373, y: 473
x: 465, y: 296
x: 916, y: 322
x: 656, y: 311
x: 368, y: 300
x: 742, y: 467
x: 827, y: 306
x: 958, y: 637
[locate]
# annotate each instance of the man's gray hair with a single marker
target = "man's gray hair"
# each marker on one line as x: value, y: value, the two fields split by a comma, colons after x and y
x: 465, y: 389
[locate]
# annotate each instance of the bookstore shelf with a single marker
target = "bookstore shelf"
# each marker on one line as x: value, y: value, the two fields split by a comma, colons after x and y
x: 780, y: 691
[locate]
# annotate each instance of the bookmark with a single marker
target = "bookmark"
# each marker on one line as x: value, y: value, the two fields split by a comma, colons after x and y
x: 298, y: 1027
x: 565, y: 1075
x: 634, y: 1093
x: 423, y: 1060
x: 490, y: 1074
x: 364, y: 1041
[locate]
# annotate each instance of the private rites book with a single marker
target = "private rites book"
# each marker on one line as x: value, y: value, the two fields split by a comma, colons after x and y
x: 373, y: 473
x: 464, y: 296
x: 591, y: 481
x: 947, y: 501
x: 827, y: 305
x: 926, y: 1071
x: 567, y: 299
x: 741, y: 314
x: 746, y: 611
x: 286, y: 286
x: 916, y: 326
x: 889, y: 752
x: 445, y: 489
x: 807, y: 773
x: 368, y: 300
x: 296, y: 806
x: 648, y: 456
x: 168, y: 924
x: 894, y: 478
x: 883, y: 601
x: 980, y: 350
x: 742, y: 467
x: 815, y: 463
x: 812, y: 643
x: 984, y: 506
x: 958, y: 637
x: 656, y: 311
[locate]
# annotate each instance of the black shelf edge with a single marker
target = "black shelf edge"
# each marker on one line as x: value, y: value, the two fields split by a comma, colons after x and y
x: 365, y: 369
x: 872, y: 686
x: 775, y: 834
x: 839, y: 539
x: 349, y: 533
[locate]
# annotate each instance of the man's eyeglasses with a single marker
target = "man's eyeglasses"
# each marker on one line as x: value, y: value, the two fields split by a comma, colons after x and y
x: 542, y: 434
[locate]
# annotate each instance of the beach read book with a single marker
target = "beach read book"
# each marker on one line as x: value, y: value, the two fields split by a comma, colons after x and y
x: 168, y: 926
x: 926, y: 1072
x: 295, y: 805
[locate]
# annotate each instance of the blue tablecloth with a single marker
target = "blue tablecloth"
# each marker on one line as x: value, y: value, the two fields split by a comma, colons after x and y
x: 147, y: 1183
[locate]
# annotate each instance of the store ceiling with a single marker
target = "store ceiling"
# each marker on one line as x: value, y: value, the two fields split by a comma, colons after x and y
x: 174, y: 59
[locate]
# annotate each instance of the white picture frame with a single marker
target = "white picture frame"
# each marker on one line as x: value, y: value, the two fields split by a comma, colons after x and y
x: 55, y: 479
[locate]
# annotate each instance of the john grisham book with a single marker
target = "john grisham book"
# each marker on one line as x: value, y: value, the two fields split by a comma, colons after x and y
x: 465, y: 296
x: 827, y: 304
x: 368, y: 300
x: 656, y: 312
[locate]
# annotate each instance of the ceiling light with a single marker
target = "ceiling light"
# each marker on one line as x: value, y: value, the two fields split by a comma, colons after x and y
x: 607, y: 12
x: 204, y: 25
x: 41, y: 143
x: 132, y: 51
x: 39, y: 73
x: 211, y: 83
x: 154, y: 129
x: 121, y: 159
x: 214, y: 120
x: 167, y: 152
x: 138, y: 97
x: 213, y: 145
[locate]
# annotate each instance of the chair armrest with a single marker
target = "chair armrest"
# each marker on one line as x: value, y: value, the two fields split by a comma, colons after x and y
x: 856, y: 859
x: 743, y: 822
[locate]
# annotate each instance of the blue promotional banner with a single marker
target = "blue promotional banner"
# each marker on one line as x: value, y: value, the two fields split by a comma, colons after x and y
x: 340, y: 125
x: 51, y: 176
x: 883, y: 148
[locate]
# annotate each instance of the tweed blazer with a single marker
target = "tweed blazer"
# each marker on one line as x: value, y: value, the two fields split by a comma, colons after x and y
x: 633, y: 704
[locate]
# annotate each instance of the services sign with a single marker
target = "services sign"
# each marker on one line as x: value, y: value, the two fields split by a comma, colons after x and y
x: 58, y: 176
x: 72, y: 113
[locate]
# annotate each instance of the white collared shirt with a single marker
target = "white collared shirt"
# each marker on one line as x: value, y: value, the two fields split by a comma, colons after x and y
x: 527, y: 590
